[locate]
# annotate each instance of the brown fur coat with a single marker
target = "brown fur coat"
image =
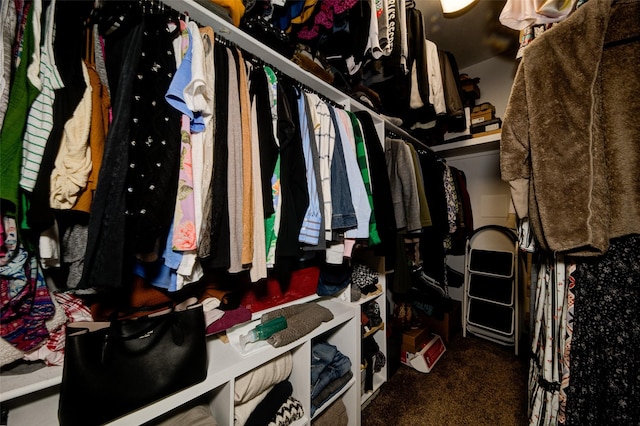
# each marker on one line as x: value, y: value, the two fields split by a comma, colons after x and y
x: 570, y: 144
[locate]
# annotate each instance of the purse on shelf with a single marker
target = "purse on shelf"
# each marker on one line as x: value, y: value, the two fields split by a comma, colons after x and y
x: 113, y: 368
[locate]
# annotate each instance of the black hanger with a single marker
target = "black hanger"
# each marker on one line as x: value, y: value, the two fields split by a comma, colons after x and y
x: 621, y: 42
x: 114, y: 16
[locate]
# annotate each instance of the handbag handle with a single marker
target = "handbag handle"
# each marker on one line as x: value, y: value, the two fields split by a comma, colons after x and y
x: 136, y: 328
x: 137, y: 336
x: 139, y: 327
x: 141, y: 311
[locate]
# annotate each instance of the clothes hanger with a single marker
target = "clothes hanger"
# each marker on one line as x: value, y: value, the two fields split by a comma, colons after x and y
x: 621, y: 42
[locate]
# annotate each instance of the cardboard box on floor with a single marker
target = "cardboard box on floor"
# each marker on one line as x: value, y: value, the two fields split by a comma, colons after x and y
x: 448, y: 326
x: 426, y: 357
x: 414, y: 339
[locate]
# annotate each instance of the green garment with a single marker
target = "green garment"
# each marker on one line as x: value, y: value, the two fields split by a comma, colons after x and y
x: 374, y: 238
x: 21, y: 96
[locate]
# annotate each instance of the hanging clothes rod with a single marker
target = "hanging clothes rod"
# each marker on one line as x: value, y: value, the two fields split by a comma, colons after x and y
x: 403, y: 134
x: 200, y: 12
x: 197, y: 10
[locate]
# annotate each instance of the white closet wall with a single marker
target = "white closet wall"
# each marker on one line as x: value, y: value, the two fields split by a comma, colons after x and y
x: 496, y: 77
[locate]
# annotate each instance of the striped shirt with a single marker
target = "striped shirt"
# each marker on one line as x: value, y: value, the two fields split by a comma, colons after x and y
x: 40, y: 117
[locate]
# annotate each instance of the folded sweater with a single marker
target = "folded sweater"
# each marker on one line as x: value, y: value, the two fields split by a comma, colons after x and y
x: 301, y: 320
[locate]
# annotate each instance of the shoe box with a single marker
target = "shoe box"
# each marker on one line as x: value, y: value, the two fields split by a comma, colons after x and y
x: 448, y: 326
x: 426, y: 358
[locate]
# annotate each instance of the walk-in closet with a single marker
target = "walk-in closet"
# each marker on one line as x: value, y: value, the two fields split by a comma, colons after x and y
x: 319, y: 212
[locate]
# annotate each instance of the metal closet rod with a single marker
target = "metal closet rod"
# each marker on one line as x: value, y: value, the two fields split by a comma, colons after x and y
x: 398, y: 132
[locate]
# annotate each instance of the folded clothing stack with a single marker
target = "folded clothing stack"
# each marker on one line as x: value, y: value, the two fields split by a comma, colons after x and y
x: 330, y: 371
x: 265, y: 394
x: 198, y: 415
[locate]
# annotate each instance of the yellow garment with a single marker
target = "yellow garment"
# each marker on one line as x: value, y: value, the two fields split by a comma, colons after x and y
x: 73, y: 162
x: 97, y: 135
x: 247, y: 183
x: 235, y: 8
x: 307, y: 11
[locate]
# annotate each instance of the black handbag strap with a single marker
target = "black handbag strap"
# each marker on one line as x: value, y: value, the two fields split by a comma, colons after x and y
x: 139, y: 311
x: 144, y: 326
x: 135, y: 328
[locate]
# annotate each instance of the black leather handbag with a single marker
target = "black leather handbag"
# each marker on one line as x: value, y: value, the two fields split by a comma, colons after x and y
x: 113, y: 368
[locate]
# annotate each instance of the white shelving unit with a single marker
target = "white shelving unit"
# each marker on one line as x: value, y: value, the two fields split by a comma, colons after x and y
x: 378, y: 333
x: 33, y: 399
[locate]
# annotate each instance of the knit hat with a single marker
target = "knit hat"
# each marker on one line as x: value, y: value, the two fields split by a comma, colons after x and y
x: 372, y: 311
x: 365, y: 278
x: 379, y: 361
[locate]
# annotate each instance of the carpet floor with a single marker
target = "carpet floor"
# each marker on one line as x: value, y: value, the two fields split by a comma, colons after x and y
x: 475, y: 383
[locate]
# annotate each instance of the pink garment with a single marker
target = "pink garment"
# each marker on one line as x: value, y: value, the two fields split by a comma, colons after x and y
x: 184, y: 223
x: 229, y: 319
x: 52, y: 353
x: 25, y: 302
x: 324, y: 17
x: 184, y: 219
x: 520, y: 14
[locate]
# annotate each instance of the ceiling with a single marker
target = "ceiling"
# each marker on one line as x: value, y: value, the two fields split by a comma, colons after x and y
x: 472, y: 36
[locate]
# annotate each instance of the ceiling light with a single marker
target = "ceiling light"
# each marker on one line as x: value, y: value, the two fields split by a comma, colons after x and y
x: 453, y: 6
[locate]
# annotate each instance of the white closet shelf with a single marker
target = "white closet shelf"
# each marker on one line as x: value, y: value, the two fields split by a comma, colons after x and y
x: 449, y: 149
x: 223, y: 363
x: 377, y: 383
x: 371, y: 296
x: 469, y: 146
x: 373, y: 330
x: 23, y: 384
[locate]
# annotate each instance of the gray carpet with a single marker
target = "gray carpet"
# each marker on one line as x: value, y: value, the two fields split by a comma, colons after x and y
x: 475, y: 383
